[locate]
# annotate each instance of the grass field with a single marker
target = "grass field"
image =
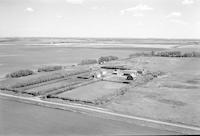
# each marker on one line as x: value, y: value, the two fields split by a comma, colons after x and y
x: 92, y: 92
x: 173, y: 97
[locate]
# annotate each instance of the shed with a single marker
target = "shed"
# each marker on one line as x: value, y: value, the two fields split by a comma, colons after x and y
x: 129, y: 77
x: 115, y: 72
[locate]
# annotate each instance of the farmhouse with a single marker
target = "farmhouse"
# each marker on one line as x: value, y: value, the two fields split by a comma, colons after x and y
x: 131, y: 76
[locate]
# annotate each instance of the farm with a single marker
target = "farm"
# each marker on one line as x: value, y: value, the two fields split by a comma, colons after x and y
x: 155, y: 87
x: 89, y: 84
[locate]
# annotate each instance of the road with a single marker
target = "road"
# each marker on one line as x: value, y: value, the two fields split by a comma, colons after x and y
x: 18, y: 118
x: 102, y: 111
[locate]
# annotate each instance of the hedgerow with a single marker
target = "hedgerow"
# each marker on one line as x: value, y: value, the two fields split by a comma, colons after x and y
x: 20, y: 73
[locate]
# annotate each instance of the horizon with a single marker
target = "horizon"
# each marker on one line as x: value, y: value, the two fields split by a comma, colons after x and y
x: 134, y: 38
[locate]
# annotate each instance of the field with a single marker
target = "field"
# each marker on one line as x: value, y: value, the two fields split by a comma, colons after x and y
x: 15, y: 57
x: 61, y: 85
x: 92, y: 92
x: 36, y: 120
x: 42, y: 83
x: 173, y: 97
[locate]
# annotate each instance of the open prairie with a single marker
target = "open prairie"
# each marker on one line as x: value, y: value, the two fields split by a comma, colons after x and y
x: 172, y: 97
x: 15, y: 57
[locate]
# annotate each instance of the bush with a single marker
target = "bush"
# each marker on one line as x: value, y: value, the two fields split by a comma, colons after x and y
x: 88, y: 61
x: 188, y: 55
x: 166, y: 54
x: 112, y: 58
x: 106, y: 59
x: 177, y: 54
x: 103, y: 59
x: 49, y: 68
x: 138, y: 54
x: 196, y: 54
x: 20, y: 73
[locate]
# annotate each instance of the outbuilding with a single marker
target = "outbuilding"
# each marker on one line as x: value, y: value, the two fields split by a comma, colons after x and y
x: 129, y: 77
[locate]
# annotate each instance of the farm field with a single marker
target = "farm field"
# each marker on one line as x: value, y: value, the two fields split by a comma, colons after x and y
x: 42, y: 83
x: 54, y: 86
x: 173, y: 97
x: 92, y: 92
x: 33, y: 79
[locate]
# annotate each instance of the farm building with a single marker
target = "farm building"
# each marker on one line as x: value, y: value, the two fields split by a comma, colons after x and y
x: 117, y: 72
x: 141, y: 72
x: 97, y: 74
x: 131, y: 76
x: 128, y: 72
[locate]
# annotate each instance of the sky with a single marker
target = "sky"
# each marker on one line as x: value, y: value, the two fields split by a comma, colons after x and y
x: 100, y: 18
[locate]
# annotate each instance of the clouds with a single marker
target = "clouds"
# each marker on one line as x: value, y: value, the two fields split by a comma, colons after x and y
x: 174, y: 14
x: 174, y: 17
x: 187, y: 2
x: 140, y: 7
x: 136, y: 10
x: 132, y: 18
x: 29, y: 9
x: 75, y: 1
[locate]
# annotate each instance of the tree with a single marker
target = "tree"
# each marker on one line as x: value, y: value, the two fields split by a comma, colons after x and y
x: 20, y: 73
